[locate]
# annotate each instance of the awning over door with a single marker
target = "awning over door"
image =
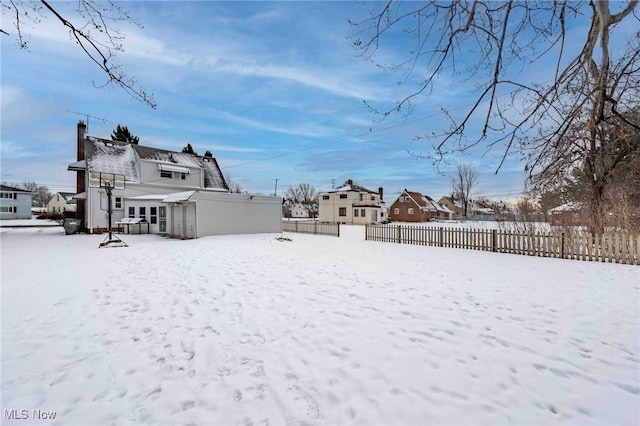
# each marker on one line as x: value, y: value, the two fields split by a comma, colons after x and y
x: 173, y: 168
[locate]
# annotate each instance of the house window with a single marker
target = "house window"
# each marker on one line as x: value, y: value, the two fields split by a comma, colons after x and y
x: 183, y: 176
x: 132, y: 212
x: 362, y: 212
x: 118, y: 203
x: 373, y: 198
x: 342, y: 211
x: 410, y: 210
x: 396, y: 211
x: 7, y: 209
x: 142, y: 213
x: 361, y: 197
x: 343, y: 195
x: 6, y: 195
x: 325, y: 197
x: 355, y: 212
x: 165, y: 174
x: 153, y: 215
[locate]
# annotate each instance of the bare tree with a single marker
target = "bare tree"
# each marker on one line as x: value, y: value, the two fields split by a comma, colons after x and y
x: 304, y: 194
x: 463, y: 182
x: 232, y: 184
x: 593, y: 87
x: 91, y: 27
x: 41, y: 193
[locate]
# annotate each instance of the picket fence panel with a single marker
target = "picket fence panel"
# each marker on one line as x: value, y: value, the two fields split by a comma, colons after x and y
x: 311, y: 227
x: 616, y: 247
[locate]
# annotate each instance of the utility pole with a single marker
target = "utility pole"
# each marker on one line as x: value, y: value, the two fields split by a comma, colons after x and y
x: 275, y: 194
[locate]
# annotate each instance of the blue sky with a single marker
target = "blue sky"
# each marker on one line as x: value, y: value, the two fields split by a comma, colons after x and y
x: 273, y: 89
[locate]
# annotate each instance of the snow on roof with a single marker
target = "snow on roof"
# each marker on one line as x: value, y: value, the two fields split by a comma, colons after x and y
x: 567, y: 207
x: 112, y: 157
x: 178, y: 197
x: 147, y: 197
x: 123, y: 158
x: 12, y: 189
x: 350, y: 186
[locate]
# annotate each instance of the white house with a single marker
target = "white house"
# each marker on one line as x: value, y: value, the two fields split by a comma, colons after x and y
x: 62, y: 202
x: 351, y: 203
x: 15, y: 203
x: 175, y: 193
x: 299, y: 210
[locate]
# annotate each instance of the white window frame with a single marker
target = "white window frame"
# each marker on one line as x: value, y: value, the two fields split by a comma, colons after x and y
x: 410, y: 210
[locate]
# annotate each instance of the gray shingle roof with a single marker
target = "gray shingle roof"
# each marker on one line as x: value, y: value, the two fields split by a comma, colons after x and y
x: 122, y: 158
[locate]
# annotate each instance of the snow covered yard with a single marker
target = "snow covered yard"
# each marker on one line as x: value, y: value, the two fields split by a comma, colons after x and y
x: 320, y: 330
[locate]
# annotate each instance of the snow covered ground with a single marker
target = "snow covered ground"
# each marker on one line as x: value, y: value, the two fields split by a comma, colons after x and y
x: 320, y: 330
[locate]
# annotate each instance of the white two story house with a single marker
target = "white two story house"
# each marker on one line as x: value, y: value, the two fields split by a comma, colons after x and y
x: 15, y: 203
x: 175, y: 193
x: 351, y: 204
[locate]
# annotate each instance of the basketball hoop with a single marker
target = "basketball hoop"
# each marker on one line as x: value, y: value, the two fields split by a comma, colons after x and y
x: 108, y: 181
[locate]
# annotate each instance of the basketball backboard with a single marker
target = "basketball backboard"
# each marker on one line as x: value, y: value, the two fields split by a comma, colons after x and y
x: 100, y: 180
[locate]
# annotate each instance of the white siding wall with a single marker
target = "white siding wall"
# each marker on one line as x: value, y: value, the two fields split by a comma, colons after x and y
x: 97, y: 207
x: 227, y: 213
x: 21, y: 203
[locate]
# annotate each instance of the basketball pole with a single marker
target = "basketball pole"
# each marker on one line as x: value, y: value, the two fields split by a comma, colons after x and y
x: 110, y: 238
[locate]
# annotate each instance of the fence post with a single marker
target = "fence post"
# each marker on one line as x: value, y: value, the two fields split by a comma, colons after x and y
x: 399, y: 236
x: 494, y: 240
x: 441, y: 236
x: 562, y: 245
x: 338, y: 230
x: 315, y: 228
x: 296, y: 222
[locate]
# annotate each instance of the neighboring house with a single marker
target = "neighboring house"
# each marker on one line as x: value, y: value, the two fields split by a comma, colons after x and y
x: 180, y: 194
x: 480, y: 211
x: 299, y: 210
x: 62, y: 202
x: 15, y: 203
x: 414, y: 207
x: 352, y: 204
x: 568, y: 214
x: 453, y: 206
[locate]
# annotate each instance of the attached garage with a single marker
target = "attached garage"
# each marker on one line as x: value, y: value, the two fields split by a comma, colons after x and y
x: 195, y: 214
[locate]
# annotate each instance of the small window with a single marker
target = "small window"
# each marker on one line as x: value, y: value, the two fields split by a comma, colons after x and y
x: 143, y: 213
x: 355, y: 212
x: 118, y: 203
x: 343, y: 195
x: 396, y: 211
x: 373, y: 198
x: 183, y: 176
x: 153, y: 215
x: 361, y: 197
x: 410, y: 211
x: 342, y: 211
x: 325, y: 197
x: 362, y: 212
x: 132, y: 212
x: 7, y: 209
x: 165, y: 174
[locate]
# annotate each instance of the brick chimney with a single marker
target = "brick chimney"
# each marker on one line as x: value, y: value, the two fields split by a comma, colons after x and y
x: 80, y: 175
x: 381, y: 193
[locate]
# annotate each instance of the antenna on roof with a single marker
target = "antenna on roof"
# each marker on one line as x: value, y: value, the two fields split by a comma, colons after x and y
x: 104, y: 120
